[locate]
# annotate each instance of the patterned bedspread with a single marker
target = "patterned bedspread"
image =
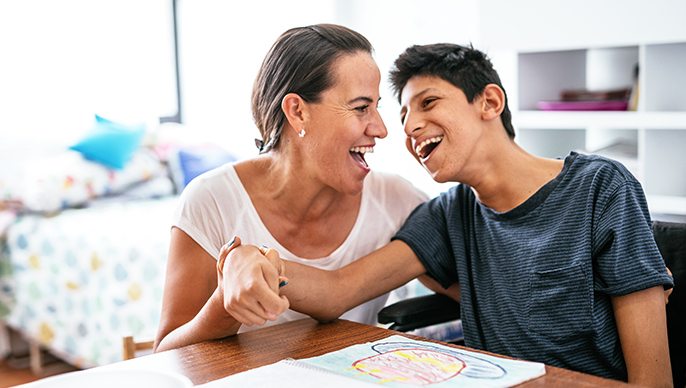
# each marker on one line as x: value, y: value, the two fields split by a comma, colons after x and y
x: 80, y: 281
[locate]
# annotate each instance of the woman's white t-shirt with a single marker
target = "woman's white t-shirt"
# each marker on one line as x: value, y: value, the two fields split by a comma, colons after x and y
x: 215, y: 207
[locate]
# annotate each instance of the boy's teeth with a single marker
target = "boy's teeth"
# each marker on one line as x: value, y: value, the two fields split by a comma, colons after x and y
x: 421, y: 145
x: 362, y: 150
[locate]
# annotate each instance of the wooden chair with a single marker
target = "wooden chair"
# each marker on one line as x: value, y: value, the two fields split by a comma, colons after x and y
x: 130, y: 347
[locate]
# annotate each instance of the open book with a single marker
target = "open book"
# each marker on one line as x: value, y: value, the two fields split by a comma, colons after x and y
x: 394, y: 362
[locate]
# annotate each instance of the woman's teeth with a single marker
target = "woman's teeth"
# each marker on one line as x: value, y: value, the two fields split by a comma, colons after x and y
x: 422, y: 150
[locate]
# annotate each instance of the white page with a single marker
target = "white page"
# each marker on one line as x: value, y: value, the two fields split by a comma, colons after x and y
x: 286, y: 373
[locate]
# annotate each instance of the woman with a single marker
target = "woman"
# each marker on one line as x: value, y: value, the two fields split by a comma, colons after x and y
x: 309, y: 194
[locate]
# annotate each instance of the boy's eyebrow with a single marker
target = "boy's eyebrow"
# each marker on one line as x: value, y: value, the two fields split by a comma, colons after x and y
x: 362, y: 98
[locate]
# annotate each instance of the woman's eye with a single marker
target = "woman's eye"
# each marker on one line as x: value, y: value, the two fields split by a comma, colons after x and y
x: 362, y: 108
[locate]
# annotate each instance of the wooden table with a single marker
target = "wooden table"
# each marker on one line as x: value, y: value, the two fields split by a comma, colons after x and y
x: 212, y: 360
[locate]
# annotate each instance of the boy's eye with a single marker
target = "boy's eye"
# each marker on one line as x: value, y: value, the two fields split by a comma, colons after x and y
x: 427, y: 102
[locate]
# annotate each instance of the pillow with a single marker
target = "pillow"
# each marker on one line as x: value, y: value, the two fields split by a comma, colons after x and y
x: 110, y: 143
x: 188, y: 162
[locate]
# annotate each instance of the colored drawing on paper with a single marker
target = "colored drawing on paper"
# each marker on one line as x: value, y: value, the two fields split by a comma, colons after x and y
x: 398, y: 361
x: 410, y: 366
x: 424, y: 365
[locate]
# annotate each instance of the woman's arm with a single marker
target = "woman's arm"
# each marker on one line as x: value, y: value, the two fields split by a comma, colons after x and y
x: 642, y: 327
x: 192, y: 308
x: 324, y: 295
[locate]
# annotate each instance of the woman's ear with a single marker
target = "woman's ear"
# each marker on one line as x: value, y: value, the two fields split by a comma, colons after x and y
x: 492, y: 102
x: 295, y: 109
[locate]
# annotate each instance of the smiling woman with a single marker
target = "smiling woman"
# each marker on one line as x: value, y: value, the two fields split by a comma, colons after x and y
x: 309, y: 193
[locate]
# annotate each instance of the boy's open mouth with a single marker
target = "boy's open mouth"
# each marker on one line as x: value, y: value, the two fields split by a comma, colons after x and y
x: 424, y: 149
x: 357, y: 154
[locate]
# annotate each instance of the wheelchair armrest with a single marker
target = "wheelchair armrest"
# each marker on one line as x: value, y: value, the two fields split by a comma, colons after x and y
x: 423, y: 311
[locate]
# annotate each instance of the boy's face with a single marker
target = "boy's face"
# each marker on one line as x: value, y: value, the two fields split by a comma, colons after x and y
x: 442, y: 128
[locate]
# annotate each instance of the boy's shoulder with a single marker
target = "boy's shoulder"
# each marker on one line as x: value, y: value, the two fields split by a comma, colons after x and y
x: 593, y: 164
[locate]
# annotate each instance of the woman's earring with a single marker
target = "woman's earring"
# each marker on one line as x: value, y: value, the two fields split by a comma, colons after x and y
x: 302, y: 133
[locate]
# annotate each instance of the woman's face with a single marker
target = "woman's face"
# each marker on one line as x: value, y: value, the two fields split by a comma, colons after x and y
x: 344, y: 124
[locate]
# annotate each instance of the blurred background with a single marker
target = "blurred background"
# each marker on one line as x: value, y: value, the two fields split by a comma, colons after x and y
x: 63, y: 61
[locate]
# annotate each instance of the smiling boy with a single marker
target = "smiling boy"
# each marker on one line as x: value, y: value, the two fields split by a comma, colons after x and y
x: 553, y: 260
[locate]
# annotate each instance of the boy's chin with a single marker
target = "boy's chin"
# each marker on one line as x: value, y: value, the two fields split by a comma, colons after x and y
x: 435, y: 175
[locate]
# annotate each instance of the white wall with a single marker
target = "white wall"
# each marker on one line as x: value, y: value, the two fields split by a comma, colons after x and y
x: 222, y: 45
x: 528, y: 25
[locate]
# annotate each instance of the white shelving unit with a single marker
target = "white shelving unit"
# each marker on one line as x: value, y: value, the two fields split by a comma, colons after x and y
x: 650, y: 141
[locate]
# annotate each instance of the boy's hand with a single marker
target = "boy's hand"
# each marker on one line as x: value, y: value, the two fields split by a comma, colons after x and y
x: 249, y: 280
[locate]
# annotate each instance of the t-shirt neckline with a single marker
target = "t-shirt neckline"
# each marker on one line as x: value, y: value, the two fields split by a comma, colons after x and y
x: 536, y: 199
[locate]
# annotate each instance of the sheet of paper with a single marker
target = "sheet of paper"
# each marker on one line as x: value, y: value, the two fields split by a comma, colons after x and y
x: 392, y: 362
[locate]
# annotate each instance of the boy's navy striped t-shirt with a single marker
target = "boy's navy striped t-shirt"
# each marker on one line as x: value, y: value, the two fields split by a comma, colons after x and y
x: 536, y: 281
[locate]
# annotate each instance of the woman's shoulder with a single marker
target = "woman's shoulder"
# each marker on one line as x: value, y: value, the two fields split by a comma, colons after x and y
x: 212, y: 181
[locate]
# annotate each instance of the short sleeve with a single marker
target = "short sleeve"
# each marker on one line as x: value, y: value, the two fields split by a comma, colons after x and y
x: 626, y: 257
x: 426, y: 232
x: 198, y: 216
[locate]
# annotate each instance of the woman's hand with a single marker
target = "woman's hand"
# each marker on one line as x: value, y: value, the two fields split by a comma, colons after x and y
x: 249, y: 279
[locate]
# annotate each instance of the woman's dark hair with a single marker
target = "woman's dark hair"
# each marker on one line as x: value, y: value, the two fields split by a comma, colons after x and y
x: 465, y: 67
x: 299, y: 62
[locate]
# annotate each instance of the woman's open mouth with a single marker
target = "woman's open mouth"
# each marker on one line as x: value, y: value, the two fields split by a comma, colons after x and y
x: 357, y: 154
x: 425, y: 148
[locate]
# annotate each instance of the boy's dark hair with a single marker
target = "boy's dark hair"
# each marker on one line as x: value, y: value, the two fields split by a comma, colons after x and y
x: 300, y: 62
x: 465, y: 67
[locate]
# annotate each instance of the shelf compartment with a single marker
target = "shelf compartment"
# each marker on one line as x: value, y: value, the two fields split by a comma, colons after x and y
x: 544, y: 75
x: 665, y: 170
x: 664, y: 77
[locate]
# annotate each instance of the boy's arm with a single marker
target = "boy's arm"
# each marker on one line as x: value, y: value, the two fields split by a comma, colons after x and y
x: 324, y: 295
x: 453, y: 291
x: 642, y: 327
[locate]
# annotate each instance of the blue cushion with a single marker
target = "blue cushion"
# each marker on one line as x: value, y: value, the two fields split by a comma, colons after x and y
x: 110, y: 143
x: 196, y: 162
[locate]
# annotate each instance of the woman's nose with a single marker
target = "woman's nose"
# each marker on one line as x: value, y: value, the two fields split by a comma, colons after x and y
x: 376, y: 127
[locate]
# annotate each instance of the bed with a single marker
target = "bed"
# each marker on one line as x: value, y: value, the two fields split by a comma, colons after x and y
x: 84, y: 236
x: 78, y: 282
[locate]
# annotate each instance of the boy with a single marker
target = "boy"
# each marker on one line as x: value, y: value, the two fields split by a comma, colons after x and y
x: 552, y: 260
